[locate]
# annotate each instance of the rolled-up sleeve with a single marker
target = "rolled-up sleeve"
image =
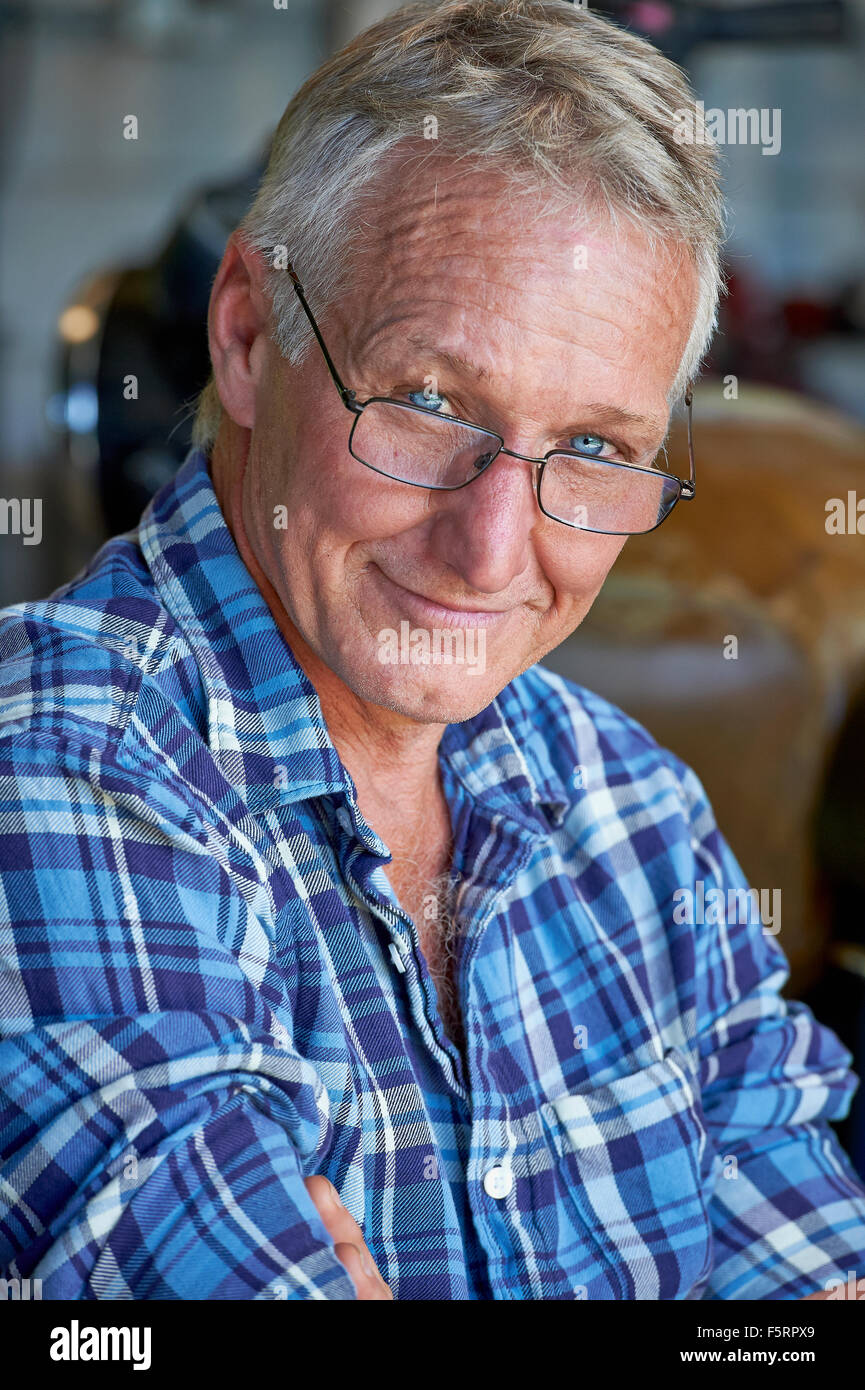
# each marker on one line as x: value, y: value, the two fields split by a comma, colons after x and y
x: 156, y: 1119
x: 787, y: 1207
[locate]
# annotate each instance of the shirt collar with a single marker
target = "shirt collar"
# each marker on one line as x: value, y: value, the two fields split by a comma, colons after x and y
x: 266, y: 730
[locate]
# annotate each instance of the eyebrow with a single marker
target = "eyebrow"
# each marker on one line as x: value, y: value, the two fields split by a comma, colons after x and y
x: 600, y: 411
x: 460, y: 364
x: 616, y: 415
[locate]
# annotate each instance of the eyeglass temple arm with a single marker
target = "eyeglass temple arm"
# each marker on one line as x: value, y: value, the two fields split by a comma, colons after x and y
x: 347, y: 395
x: 689, y: 487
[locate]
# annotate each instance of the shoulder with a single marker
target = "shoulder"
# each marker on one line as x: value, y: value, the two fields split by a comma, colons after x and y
x: 575, y: 738
x: 74, y: 666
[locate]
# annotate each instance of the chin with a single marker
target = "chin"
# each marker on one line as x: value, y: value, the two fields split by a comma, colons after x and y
x: 428, y: 696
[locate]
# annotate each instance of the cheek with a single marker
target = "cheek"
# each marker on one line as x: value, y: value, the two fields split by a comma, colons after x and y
x: 337, y: 495
x: 319, y: 515
x: 576, y: 565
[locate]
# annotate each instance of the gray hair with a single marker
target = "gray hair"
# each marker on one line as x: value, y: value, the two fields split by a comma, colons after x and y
x: 556, y: 99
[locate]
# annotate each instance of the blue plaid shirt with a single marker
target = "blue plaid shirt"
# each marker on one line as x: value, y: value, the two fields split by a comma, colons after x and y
x: 208, y: 990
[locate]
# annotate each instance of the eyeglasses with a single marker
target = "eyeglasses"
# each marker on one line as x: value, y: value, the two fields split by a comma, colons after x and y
x: 413, y: 444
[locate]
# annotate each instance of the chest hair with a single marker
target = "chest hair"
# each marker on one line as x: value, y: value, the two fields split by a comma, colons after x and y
x: 430, y: 901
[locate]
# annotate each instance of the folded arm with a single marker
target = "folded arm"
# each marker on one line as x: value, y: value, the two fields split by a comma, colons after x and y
x: 156, y: 1121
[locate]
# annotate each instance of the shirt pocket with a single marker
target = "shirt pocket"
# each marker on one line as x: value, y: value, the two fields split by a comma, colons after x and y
x: 633, y: 1158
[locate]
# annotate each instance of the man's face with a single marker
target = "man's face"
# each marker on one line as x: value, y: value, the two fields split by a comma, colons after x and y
x: 506, y: 323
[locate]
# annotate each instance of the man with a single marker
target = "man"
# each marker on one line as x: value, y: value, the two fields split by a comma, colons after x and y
x: 326, y: 908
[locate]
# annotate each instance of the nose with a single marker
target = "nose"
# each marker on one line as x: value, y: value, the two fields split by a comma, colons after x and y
x: 484, y: 531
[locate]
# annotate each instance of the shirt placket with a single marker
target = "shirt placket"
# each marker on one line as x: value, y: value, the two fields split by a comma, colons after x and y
x: 365, y: 873
x: 393, y: 945
x: 491, y: 1176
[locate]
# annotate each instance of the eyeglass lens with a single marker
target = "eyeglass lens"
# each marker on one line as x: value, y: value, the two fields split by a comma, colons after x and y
x: 429, y: 450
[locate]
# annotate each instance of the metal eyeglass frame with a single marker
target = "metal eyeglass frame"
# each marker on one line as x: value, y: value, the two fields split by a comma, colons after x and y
x: 686, y: 486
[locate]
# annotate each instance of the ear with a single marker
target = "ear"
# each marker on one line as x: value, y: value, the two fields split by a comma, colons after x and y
x: 238, y: 321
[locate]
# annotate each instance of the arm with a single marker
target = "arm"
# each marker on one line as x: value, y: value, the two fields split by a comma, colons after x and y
x: 788, y: 1209
x: 156, y: 1121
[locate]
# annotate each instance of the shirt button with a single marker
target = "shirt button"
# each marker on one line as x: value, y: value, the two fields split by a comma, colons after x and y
x: 498, y: 1182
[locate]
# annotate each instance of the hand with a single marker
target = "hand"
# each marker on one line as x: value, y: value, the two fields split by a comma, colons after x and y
x: 348, y: 1241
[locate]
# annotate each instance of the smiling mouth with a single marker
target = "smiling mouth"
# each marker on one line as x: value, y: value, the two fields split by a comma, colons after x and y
x: 447, y: 614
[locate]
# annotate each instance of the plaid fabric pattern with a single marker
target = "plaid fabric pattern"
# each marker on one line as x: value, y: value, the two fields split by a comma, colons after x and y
x: 208, y: 990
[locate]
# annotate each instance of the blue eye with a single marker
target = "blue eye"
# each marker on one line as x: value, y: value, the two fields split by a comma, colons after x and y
x: 429, y: 400
x: 588, y: 443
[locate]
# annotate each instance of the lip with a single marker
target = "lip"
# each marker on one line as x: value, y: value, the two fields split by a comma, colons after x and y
x: 427, y: 611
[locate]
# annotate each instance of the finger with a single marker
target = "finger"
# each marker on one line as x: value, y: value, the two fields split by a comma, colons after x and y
x: 341, y: 1225
x: 368, y: 1283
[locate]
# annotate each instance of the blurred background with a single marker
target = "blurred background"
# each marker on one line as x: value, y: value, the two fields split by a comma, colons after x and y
x: 736, y: 633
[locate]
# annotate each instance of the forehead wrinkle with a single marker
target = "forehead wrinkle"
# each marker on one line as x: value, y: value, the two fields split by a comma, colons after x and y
x: 548, y: 332
x: 457, y: 260
x: 472, y: 244
x: 369, y: 339
x: 498, y: 291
